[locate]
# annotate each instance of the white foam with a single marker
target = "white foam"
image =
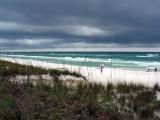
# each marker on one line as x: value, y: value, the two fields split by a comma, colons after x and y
x: 83, y: 59
x: 80, y: 59
x: 148, y: 55
x: 27, y: 56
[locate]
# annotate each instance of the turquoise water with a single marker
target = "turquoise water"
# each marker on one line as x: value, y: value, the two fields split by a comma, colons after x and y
x: 128, y: 60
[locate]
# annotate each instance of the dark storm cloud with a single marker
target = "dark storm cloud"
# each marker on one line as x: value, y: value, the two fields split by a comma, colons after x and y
x: 61, y: 23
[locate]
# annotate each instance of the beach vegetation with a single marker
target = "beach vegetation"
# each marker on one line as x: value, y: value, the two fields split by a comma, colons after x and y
x: 156, y: 87
x: 84, y: 101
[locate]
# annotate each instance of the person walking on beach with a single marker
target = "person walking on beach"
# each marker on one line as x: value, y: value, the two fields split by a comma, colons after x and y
x: 101, y: 67
x: 155, y: 69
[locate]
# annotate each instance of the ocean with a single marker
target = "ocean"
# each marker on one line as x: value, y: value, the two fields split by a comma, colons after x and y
x: 125, y: 60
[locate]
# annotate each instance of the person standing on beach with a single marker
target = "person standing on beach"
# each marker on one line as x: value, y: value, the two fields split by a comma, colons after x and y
x: 101, y: 67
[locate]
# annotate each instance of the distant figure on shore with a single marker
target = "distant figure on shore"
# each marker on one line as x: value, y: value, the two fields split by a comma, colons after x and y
x: 155, y: 69
x: 151, y: 68
x: 101, y: 67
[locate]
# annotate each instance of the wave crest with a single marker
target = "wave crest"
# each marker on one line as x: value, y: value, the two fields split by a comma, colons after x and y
x: 148, y: 55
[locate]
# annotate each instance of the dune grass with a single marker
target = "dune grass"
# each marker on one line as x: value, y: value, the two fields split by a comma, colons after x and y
x: 8, y: 69
x: 156, y: 87
x: 86, y: 101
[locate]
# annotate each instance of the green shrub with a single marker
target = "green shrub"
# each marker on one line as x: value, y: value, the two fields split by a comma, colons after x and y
x: 8, y: 109
x: 156, y: 87
x: 128, y: 88
x: 110, y: 87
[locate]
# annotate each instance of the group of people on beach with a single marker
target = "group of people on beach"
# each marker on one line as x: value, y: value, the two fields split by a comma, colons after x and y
x: 153, y: 68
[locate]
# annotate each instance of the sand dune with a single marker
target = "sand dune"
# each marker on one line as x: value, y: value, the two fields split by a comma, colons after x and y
x: 94, y: 74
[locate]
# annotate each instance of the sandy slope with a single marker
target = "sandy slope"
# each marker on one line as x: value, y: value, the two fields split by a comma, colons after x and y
x: 94, y: 74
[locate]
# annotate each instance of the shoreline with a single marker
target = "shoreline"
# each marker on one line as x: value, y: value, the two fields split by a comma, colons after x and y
x: 93, y: 74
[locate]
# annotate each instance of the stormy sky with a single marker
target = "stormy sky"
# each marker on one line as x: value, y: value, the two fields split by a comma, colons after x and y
x: 99, y: 25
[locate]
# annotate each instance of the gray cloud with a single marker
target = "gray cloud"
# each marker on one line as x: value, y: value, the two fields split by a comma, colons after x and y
x: 97, y: 24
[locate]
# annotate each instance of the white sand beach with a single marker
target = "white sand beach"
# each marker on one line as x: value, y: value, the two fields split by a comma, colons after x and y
x: 93, y: 74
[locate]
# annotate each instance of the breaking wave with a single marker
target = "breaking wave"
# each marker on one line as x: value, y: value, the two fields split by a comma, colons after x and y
x: 94, y: 60
x: 148, y: 55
